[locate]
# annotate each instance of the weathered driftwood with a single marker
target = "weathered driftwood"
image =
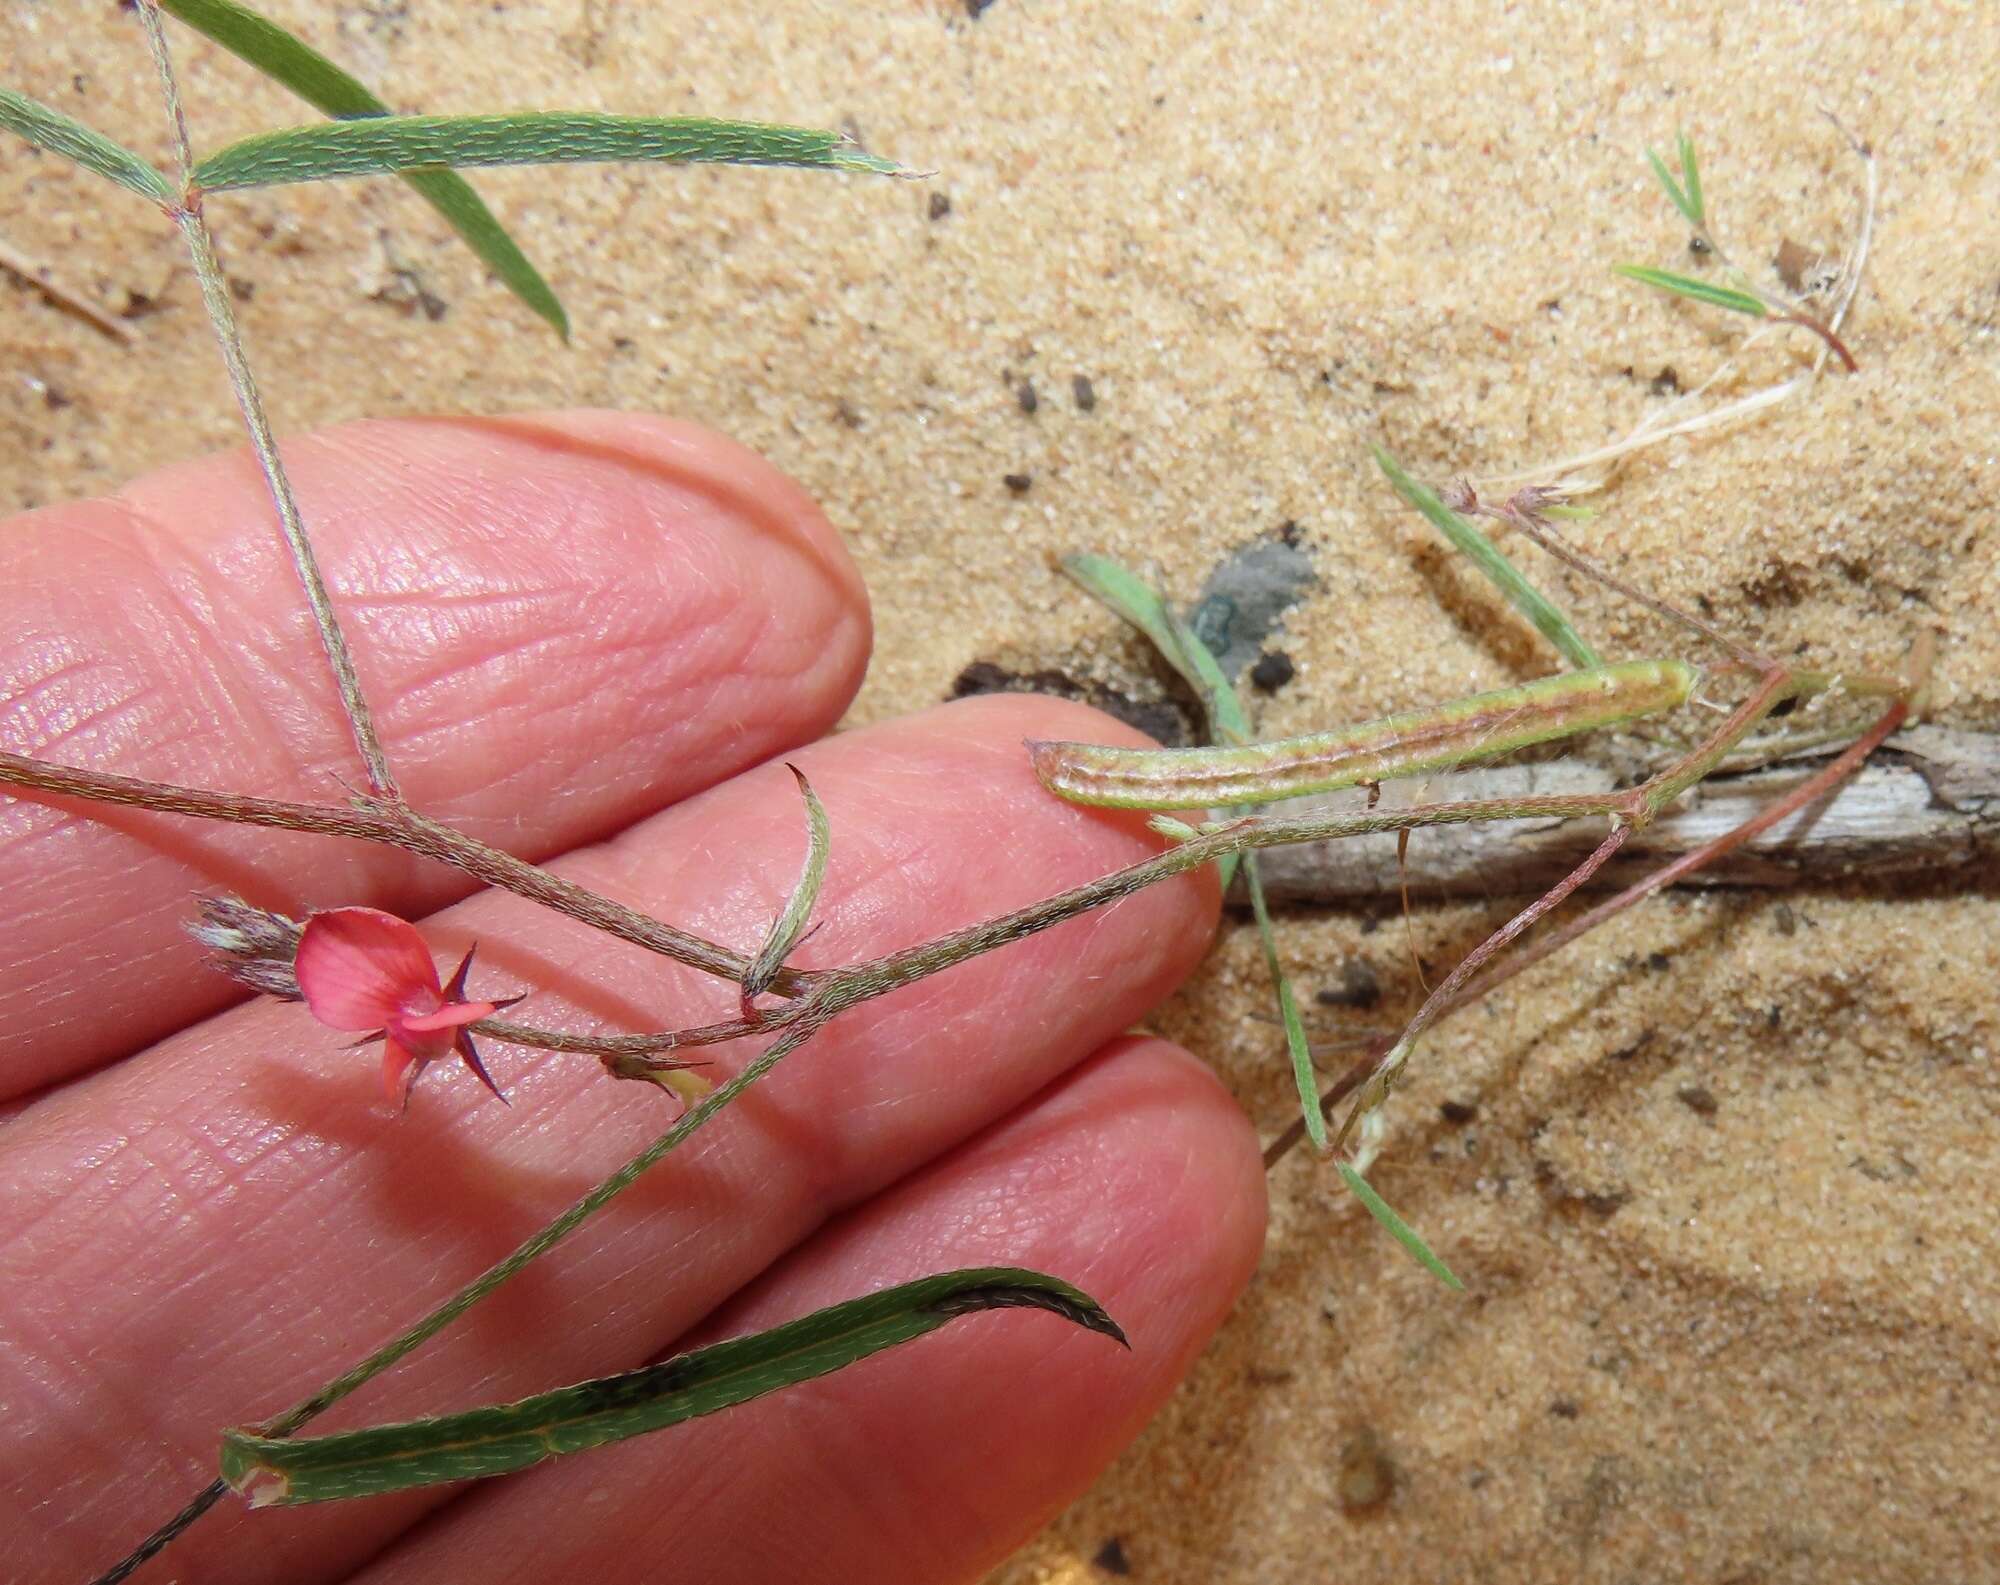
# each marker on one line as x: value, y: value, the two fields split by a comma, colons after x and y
x: 1927, y: 805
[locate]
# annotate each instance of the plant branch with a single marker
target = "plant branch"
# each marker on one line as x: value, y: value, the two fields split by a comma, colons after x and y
x: 1383, y: 1076
x: 398, y: 826
x: 1805, y: 794
x: 222, y: 316
x: 1819, y: 786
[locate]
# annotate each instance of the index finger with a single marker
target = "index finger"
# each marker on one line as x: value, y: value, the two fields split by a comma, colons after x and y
x: 564, y: 622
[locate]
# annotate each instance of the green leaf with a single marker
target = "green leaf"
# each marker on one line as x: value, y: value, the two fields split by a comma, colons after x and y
x: 325, y: 86
x: 507, y: 1437
x: 1701, y: 291
x: 398, y: 143
x: 278, y: 54
x: 1303, y: 1072
x: 60, y: 134
x: 1130, y: 598
x: 1691, y: 176
x: 1527, y: 599
x: 1399, y: 1229
x: 785, y: 932
x: 1682, y: 201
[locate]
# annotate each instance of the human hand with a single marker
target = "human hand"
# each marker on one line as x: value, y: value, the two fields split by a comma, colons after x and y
x: 586, y: 637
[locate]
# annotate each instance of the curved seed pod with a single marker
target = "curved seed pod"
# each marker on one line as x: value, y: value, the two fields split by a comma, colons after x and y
x: 1477, y: 727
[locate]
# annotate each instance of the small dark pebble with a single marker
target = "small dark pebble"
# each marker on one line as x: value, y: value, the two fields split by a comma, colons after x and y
x: 1085, y: 394
x: 977, y: 8
x: 1024, y: 393
x: 1697, y: 1099
x: 1697, y: 247
x: 1358, y: 987
x: 1272, y: 671
x: 1457, y: 1113
x: 1288, y: 532
x: 1666, y: 383
x: 1366, y: 1478
x: 1658, y: 962
x: 1111, y: 1558
x: 1565, y: 1409
x: 1785, y: 920
x: 1017, y: 482
x: 55, y: 398
x: 940, y: 205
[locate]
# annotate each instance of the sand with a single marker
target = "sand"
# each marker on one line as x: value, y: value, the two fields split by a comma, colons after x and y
x: 1722, y: 1181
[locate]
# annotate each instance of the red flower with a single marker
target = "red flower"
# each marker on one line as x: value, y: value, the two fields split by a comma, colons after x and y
x: 361, y: 969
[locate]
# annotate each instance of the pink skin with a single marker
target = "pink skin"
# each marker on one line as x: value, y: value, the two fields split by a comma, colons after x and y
x: 197, y: 1231
x: 359, y: 968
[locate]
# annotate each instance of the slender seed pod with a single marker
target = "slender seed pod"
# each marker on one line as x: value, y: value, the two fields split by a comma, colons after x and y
x: 1477, y: 727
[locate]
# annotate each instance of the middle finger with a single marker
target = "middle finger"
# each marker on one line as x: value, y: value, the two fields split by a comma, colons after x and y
x: 264, y: 1222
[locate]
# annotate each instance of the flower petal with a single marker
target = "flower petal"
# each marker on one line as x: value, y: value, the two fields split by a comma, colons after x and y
x: 359, y: 968
x: 449, y: 1016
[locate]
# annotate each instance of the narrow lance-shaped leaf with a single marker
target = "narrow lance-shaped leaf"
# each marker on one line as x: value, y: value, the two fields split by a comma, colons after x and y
x: 1690, y: 211
x: 1399, y: 1229
x: 1701, y: 291
x: 50, y: 129
x: 1303, y: 1072
x: 507, y: 1437
x: 1500, y: 572
x: 1128, y: 595
x: 325, y: 86
x: 399, y: 143
x: 786, y: 931
x: 1666, y: 180
x: 1691, y: 180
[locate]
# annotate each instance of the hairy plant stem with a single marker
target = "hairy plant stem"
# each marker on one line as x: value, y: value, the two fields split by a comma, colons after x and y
x: 819, y: 994
x: 1391, y: 1063
x: 394, y: 825
x: 1808, y: 792
x: 1644, y: 803
x: 1817, y: 786
x: 222, y: 316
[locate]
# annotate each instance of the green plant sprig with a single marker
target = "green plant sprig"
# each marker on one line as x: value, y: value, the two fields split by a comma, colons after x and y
x: 419, y: 144
x: 1745, y: 297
